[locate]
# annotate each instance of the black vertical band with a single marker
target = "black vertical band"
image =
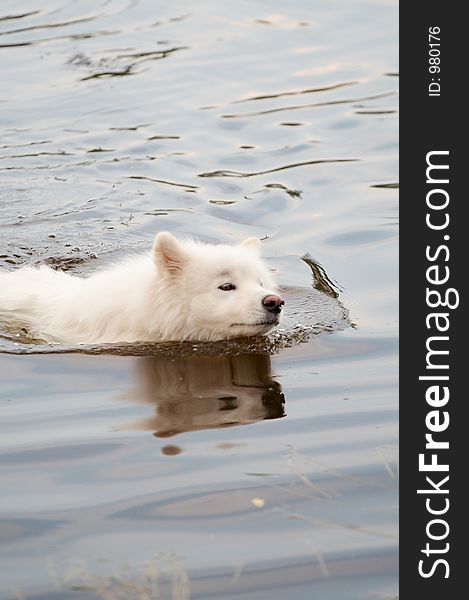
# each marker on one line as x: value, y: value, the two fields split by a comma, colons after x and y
x: 434, y: 256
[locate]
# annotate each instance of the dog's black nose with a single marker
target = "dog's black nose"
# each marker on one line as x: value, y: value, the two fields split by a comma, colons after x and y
x: 273, y: 303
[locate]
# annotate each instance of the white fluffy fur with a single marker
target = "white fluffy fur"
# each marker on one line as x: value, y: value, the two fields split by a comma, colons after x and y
x: 170, y: 293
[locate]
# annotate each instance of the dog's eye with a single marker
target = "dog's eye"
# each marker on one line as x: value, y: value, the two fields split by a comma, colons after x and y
x: 227, y: 287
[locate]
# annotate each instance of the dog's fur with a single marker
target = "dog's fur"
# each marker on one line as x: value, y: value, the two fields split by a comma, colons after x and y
x: 171, y: 293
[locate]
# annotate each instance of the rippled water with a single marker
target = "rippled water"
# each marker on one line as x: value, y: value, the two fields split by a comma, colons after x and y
x: 255, y: 469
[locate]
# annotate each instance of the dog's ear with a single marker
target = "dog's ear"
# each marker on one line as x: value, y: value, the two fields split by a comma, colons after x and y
x: 168, y: 253
x: 253, y: 244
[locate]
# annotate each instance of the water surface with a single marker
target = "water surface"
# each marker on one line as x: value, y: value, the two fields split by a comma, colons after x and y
x: 265, y: 469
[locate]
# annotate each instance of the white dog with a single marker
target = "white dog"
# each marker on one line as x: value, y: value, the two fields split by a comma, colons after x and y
x: 179, y: 291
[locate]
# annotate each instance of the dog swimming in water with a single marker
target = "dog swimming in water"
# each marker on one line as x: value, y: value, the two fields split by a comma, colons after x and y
x: 181, y: 290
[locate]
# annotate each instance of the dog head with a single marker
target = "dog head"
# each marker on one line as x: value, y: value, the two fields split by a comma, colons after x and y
x: 222, y: 291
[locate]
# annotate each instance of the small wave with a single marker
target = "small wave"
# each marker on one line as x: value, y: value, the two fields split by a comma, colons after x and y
x: 309, y: 105
x: 310, y: 313
x: 226, y: 173
x: 324, y: 88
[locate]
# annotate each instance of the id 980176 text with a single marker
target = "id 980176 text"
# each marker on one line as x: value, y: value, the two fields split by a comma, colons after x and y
x: 434, y: 87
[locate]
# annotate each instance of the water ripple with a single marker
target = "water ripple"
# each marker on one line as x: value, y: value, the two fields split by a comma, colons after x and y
x: 311, y: 312
x: 74, y: 36
x: 225, y: 173
x: 50, y: 25
x: 20, y: 16
x: 309, y: 105
x: 163, y: 181
x: 325, y: 88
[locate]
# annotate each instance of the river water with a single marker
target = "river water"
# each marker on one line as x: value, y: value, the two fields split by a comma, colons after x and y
x: 242, y: 471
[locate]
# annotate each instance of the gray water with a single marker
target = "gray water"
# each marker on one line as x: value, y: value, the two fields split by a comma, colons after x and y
x: 256, y: 469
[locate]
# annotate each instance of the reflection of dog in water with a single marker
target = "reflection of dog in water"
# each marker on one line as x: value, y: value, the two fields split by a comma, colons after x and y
x: 206, y: 392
